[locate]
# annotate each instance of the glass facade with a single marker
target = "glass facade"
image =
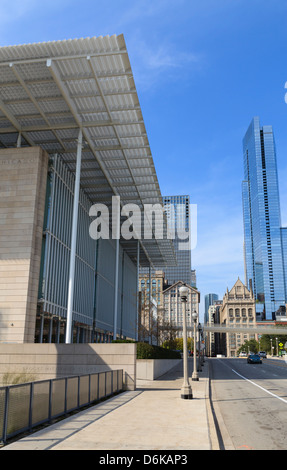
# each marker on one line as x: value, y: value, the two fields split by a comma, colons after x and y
x: 284, y: 251
x: 177, y: 210
x: 94, y: 293
x: 178, y: 217
x: 263, y: 253
x: 208, y: 301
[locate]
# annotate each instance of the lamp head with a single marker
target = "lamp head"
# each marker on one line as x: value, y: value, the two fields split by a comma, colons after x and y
x: 183, y: 290
x: 194, y: 316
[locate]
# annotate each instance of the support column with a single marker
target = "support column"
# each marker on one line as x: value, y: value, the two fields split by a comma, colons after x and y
x: 149, y: 309
x: 19, y: 140
x: 41, y: 329
x: 137, y: 291
x: 116, y: 236
x: 74, y: 241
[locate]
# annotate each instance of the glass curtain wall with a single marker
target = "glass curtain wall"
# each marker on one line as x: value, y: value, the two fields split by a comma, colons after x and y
x: 54, y: 275
x: 262, y: 220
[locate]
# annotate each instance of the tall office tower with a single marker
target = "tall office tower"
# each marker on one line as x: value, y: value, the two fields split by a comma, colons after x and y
x: 193, y: 278
x: 263, y: 247
x: 208, y: 301
x: 178, y: 218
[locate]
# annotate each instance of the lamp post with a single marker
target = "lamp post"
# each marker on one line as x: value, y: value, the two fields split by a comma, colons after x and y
x: 194, y: 374
x: 200, y: 361
x: 186, y: 392
x: 277, y: 347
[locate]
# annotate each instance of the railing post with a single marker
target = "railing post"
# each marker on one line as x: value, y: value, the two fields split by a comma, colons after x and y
x: 66, y: 394
x: 50, y: 400
x: 79, y: 387
x: 31, y: 405
x: 5, y: 421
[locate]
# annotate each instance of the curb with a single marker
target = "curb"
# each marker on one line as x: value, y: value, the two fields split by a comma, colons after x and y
x: 219, y: 436
x: 212, y: 428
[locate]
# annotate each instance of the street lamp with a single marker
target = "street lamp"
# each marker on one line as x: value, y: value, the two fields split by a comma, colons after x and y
x: 194, y: 374
x: 200, y: 364
x: 186, y: 392
x: 277, y: 347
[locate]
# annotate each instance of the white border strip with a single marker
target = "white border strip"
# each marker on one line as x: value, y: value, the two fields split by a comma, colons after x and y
x: 264, y: 389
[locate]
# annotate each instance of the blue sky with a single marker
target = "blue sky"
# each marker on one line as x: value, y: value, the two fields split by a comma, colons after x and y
x: 203, y: 69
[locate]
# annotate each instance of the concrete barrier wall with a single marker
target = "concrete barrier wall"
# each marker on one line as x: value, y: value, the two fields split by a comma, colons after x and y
x: 45, y: 361
x: 151, y: 369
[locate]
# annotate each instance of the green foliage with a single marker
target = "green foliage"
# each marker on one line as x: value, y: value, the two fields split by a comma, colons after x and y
x: 123, y: 341
x: 177, y: 344
x: 249, y: 346
x: 148, y: 351
x: 265, y: 342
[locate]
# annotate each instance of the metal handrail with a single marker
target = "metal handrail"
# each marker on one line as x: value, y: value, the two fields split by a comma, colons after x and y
x: 20, y: 404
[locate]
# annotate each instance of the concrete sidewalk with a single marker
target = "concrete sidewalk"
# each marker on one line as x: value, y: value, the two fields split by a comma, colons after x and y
x: 153, y: 417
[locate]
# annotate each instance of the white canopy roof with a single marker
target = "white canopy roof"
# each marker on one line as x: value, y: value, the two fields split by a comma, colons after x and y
x: 50, y: 90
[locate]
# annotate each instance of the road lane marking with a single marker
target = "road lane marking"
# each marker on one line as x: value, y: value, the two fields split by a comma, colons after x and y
x: 256, y: 385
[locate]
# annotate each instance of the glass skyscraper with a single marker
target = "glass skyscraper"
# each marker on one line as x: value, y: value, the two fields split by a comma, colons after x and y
x: 265, y: 241
x: 177, y: 209
x: 208, y: 300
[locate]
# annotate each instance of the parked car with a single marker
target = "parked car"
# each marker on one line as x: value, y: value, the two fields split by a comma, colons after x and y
x: 243, y: 354
x: 254, y: 359
x: 262, y: 354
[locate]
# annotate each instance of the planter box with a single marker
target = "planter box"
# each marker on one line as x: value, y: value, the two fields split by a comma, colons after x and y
x: 151, y: 369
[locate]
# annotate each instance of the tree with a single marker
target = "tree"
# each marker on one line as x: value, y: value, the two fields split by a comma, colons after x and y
x: 265, y: 342
x: 177, y: 344
x: 251, y: 346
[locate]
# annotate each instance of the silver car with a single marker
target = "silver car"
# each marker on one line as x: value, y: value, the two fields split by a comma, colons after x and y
x: 262, y: 354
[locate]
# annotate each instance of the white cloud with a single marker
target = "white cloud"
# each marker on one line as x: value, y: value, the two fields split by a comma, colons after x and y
x: 165, y: 57
x: 156, y: 62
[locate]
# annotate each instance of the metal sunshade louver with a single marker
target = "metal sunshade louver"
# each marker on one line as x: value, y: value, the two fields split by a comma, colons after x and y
x: 48, y: 90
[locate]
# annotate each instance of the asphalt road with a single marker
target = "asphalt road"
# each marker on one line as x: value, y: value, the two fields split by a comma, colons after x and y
x: 250, y: 403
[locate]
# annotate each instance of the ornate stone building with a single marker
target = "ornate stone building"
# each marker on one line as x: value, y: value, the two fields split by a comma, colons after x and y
x: 238, y: 309
x: 173, y: 311
x: 150, y: 305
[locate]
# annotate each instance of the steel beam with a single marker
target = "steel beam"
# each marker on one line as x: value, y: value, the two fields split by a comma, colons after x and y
x: 74, y: 241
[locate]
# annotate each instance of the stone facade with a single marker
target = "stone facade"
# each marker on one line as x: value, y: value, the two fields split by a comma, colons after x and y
x: 23, y: 176
x: 173, y: 312
x: 238, y: 309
